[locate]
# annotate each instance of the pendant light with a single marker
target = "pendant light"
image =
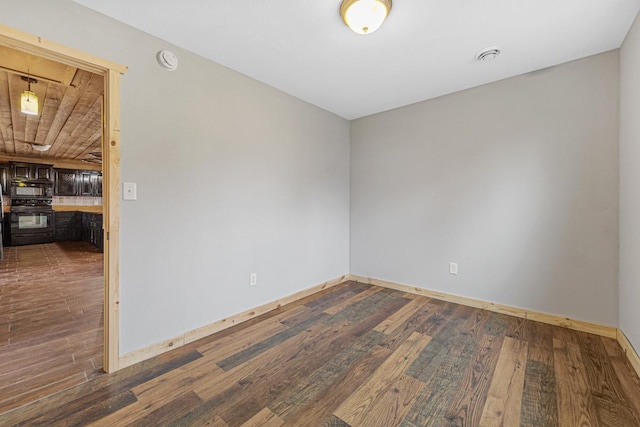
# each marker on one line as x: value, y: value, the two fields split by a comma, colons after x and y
x: 364, y: 16
x: 29, y: 100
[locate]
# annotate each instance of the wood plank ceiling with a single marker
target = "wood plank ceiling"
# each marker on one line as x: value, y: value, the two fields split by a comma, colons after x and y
x: 70, y: 109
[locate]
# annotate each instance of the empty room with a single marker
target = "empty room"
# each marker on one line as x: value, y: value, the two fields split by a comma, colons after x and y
x: 305, y: 213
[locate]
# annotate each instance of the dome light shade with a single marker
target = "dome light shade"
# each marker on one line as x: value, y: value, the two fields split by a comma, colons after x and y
x: 29, y: 103
x: 28, y: 99
x: 41, y: 147
x: 364, y: 16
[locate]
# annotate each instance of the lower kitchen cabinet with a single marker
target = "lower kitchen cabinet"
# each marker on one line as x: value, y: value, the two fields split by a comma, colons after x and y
x: 67, y: 226
x: 80, y: 226
x: 6, y: 224
x: 92, y: 229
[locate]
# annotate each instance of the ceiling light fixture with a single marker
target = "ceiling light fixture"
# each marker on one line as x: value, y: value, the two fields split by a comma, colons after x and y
x: 364, y: 16
x: 40, y: 148
x: 29, y: 100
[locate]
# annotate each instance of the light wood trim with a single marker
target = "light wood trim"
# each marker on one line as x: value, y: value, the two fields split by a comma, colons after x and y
x: 111, y: 71
x: 552, y: 319
x: 78, y: 208
x: 628, y: 349
x: 44, y: 48
x: 148, y: 352
x: 40, y: 78
x: 57, y: 163
x: 111, y: 218
x: 204, y: 331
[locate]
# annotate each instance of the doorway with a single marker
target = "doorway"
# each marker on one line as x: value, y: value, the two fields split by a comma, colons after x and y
x: 110, y: 154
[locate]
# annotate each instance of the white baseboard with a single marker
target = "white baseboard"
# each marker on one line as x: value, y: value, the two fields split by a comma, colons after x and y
x: 161, y: 347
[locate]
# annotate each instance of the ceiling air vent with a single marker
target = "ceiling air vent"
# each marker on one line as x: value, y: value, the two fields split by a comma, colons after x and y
x: 488, y: 54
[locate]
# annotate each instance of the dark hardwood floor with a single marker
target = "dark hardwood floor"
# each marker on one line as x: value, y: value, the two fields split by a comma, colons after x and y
x: 359, y: 355
x: 51, y: 314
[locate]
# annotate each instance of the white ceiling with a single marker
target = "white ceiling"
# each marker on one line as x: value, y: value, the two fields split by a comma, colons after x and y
x: 425, y: 48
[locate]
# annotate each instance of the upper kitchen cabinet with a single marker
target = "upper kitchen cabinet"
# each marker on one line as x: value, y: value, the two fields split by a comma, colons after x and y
x: 32, y: 171
x: 94, y: 188
x: 97, y: 187
x: 86, y: 183
x: 43, y: 172
x: 65, y: 182
x: 21, y: 171
x: 90, y: 183
x: 70, y: 182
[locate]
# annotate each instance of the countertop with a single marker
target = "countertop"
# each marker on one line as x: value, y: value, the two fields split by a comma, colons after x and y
x: 78, y: 208
x: 67, y: 208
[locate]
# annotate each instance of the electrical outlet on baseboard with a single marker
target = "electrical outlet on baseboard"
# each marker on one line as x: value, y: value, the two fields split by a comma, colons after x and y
x: 254, y: 279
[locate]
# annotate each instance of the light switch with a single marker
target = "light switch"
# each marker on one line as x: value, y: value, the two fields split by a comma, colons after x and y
x: 453, y: 268
x: 130, y: 191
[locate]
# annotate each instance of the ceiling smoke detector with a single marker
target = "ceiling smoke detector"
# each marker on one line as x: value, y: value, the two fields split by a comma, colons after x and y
x: 167, y: 60
x: 488, y: 54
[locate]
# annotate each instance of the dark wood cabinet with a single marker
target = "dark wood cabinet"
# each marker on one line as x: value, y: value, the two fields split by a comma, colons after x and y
x: 65, y: 182
x: 43, y: 172
x: 67, y: 226
x: 89, y: 183
x: 92, y: 231
x: 97, y: 185
x: 5, y: 177
x: 70, y: 182
x: 31, y: 171
x: 80, y: 226
x: 86, y: 189
x: 21, y: 171
x: 6, y: 226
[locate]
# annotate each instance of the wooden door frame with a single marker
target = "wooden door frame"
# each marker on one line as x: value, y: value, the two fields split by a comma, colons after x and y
x: 111, y: 71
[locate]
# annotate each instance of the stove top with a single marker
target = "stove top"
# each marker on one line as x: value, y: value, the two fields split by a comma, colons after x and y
x: 31, y: 203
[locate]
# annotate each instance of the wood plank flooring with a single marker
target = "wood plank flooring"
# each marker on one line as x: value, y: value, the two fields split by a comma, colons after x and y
x: 360, y: 355
x: 51, y: 333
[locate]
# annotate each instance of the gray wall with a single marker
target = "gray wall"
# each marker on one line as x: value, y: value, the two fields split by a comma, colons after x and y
x: 233, y: 177
x: 630, y: 186
x: 517, y: 181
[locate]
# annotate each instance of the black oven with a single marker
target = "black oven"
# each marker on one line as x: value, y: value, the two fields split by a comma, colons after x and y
x: 31, y: 222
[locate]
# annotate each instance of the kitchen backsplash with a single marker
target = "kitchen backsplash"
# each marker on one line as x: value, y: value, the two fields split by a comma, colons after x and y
x: 77, y: 200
